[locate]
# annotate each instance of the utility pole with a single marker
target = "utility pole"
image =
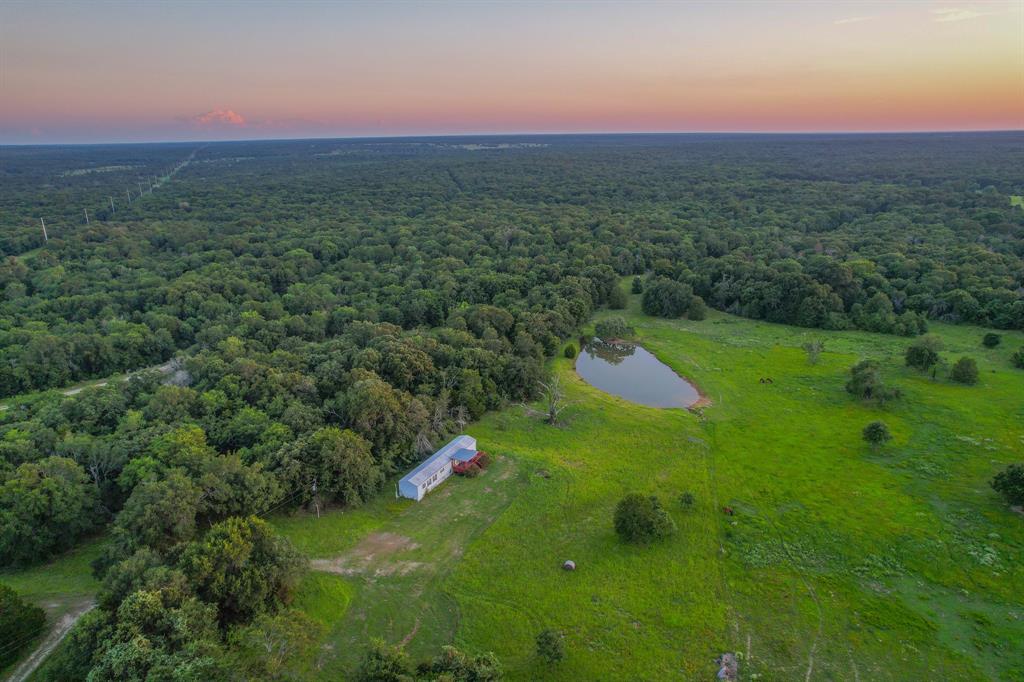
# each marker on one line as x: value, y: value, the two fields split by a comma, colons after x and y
x: 112, y: 205
x: 43, y: 223
x: 86, y: 215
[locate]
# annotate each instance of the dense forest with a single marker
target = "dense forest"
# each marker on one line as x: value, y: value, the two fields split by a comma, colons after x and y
x: 298, y: 321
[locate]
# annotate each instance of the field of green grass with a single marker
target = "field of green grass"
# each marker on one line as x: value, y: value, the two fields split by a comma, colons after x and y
x: 1017, y: 200
x: 840, y: 562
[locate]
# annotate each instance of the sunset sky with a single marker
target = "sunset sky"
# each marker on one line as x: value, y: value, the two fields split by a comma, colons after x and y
x: 85, y: 72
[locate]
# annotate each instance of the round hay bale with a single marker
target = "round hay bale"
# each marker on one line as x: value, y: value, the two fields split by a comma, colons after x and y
x: 569, y: 565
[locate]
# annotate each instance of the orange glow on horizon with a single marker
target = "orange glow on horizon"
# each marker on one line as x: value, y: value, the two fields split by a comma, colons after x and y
x: 187, y: 71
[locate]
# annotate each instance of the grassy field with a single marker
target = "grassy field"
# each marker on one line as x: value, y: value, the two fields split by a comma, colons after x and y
x: 1017, y: 200
x: 840, y: 563
x: 61, y: 586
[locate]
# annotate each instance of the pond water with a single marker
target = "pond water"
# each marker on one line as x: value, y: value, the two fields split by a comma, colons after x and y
x: 631, y: 372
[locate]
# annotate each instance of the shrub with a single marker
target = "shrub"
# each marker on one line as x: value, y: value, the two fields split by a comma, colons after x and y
x: 866, y: 383
x: 1010, y: 484
x: 813, y: 348
x: 965, y: 371
x: 923, y: 354
x: 570, y: 351
x: 550, y: 645
x: 686, y: 500
x: 1017, y: 359
x: 484, y: 460
x: 20, y: 623
x: 991, y: 340
x: 612, y: 328
x: 876, y: 434
x: 698, y: 309
x: 471, y: 471
x: 637, y: 287
x: 641, y: 519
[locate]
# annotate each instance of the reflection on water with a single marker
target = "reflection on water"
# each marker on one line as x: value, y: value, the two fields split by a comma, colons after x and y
x: 631, y: 372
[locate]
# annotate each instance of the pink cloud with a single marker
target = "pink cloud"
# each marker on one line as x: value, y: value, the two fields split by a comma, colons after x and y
x: 219, y: 117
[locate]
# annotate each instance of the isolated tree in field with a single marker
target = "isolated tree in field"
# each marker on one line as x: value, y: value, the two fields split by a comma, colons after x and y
x: 964, y: 371
x: 1017, y: 359
x: 551, y: 645
x: 552, y: 398
x: 866, y: 383
x: 876, y: 434
x: 637, y: 287
x: 991, y: 340
x: 612, y: 328
x: 570, y: 351
x: 1010, y: 484
x: 20, y: 623
x: 923, y: 354
x: 814, y: 349
x: 640, y: 519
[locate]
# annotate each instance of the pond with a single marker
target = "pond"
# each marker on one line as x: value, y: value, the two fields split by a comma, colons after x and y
x: 631, y: 372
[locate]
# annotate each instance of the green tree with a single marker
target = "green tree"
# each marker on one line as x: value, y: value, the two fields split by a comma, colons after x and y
x: 385, y: 663
x: 666, y: 298
x: 20, y: 624
x: 991, y: 340
x: 866, y: 383
x: 698, y: 310
x: 640, y: 519
x: 637, y: 287
x: 964, y: 371
x: 1010, y: 484
x: 551, y: 645
x: 570, y: 351
x: 280, y: 647
x: 45, y: 507
x: 1017, y: 359
x: 458, y: 666
x: 923, y: 354
x: 613, y: 328
x: 617, y: 298
x: 876, y: 434
x: 242, y: 567
x: 330, y: 464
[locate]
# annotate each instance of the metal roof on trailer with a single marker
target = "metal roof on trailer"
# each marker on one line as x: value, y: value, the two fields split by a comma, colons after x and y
x: 437, y: 461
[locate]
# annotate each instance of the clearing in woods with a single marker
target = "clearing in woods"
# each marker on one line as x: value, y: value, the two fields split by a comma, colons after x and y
x: 838, y: 563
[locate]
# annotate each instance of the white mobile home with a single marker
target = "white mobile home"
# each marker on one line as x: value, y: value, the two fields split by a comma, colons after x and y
x: 434, y: 469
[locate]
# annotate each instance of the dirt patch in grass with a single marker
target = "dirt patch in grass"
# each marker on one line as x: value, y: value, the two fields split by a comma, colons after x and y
x: 369, y: 554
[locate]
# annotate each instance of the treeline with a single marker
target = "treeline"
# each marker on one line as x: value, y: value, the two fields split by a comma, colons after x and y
x: 859, y: 232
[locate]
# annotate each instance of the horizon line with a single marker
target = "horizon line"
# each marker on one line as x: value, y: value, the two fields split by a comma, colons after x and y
x: 957, y: 131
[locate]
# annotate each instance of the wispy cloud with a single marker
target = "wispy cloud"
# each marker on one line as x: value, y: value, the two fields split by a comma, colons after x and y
x: 219, y: 117
x: 948, y: 14
x: 851, y: 20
